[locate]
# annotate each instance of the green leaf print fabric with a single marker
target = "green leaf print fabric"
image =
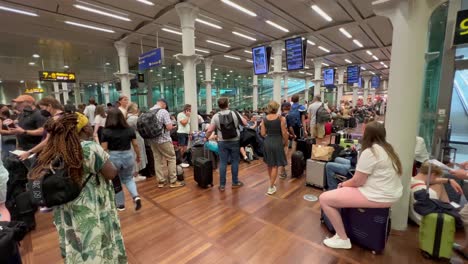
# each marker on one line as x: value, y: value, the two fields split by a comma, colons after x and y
x: 89, y: 227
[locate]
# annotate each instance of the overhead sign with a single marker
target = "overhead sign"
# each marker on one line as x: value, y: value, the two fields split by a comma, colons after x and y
x: 260, y: 60
x: 461, y: 28
x: 328, y: 77
x: 150, y: 59
x: 295, y: 53
x: 34, y: 90
x: 375, y: 81
x: 52, y: 76
x: 141, y: 77
x: 353, y: 74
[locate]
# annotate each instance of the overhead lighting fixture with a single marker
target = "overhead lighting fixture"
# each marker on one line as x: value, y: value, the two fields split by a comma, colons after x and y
x: 385, y: 65
x: 311, y: 42
x: 202, y: 50
x: 172, y: 31
x: 324, y: 49
x: 306, y: 67
x: 248, y: 51
x: 238, y: 7
x: 382, y: 63
x: 372, y: 73
x: 319, y: 11
x: 232, y: 57
x: 22, y: 81
x: 378, y: 2
x: 362, y: 68
x: 375, y: 57
x: 250, y: 61
x: 310, y: 74
x: 324, y: 64
x: 277, y: 26
x: 369, y: 52
x: 107, y: 63
x: 178, y: 64
x: 89, y: 26
x: 163, y: 67
x: 301, y: 72
x: 66, y: 67
x: 36, y: 56
x: 18, y: 11
x: 104, y: 13
x: 146, y: 2
x: 244, y: 36
x: 359, y: 44
x: 208, y: 23
x: 346, y: 33
x: 32, y: 63
x: 348, y: 61
x: 218, y: 43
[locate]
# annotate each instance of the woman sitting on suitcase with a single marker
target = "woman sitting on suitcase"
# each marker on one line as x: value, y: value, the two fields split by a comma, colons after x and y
x: 375, y: 184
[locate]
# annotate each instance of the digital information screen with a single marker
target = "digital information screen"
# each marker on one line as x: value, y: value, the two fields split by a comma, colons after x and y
x: 375, y: 82
x: 328, y: 77
x: 461, y: 28
x: 294, y: 54
x: 353, y: 74
x: 260, y: 60
x: 52, y: 76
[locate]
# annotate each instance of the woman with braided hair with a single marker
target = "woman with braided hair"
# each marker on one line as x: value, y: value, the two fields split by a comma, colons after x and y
x: 88, y: 227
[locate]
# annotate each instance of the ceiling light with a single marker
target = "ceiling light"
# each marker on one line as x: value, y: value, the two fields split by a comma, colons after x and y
x: 22, y: 81
x: 36, y: 56
x: 243, y: 35
x: 382, y: 63
x: 277, y: 26
x: 238, y: 7
x: 218, y: 43
x: 163, y: 67
x: 348, y: 61
x: 359, y: 44
x: 319, y: 11
x: 96, y: 11
x: 66, y: 67
x: 324, y: 64
x: 89, y: 26
x: 231, y: 57
x: 230, y: 71
x: 375, y: 57
x: 18, y: 11
x: 248, y: 51
x: 151, y: 70
x: 378, y: 2
x: 385, y: 65
x: 311, y: 42
x: 228, y: 75
x: 208, y: 23
x: 172, y: 31
x: 346, y: 33
x: 202, y: 50
x: 369, y: 52
x: 362, y: 68
x: 324, y: 49
x: 178, y: 64
x: 372, y: 73
x: 306, y: 67
x: 216, y: 69
x: 301, y: 72
x: 169, y: 73
x: 32, y: 63
x: 146, y: 2
x: 310, y: 74
x: 251, y: 61
x: 107, y: 63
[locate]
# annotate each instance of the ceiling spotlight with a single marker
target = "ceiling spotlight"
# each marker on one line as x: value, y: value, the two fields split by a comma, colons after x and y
x: 32, y: 63
x: 178, y: 64
x: 18, y: 11
x: 319, y: 11
x: 382, y: 63
x: 243, y: 35
x: 359, y: 44
x: 208, y: 23
x: 218, y: 43
x: 248, y: 51
x: 372, y: 73
x: 22, y: 81
x: 250, y: 61
x: 324, y: 49
x: 146, y: 2
x: 346, y: 33
x: 362, y: 68
x: 100, y: 12
x: 66, y: 66
x: 107, y: 63
x: 163, y: 67
x: 36, y: 56
x: 238, y: 7
x: 348, y: 61
x: 375, y: 57
x: 324, y: 64
x: 231, y: 57
x: 172, y: 31
x: 311, y: 42
x: 271, y: 23
x: 369, y: 52
x: 385, y: 65
x: 202, y: 50
x: 89, y: 26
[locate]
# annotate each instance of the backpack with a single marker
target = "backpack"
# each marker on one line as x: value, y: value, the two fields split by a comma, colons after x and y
x: 322, y: 115
x: 228, y: 126
x: 294, y: 116
x: 54, y: 186
x: 148, y: 125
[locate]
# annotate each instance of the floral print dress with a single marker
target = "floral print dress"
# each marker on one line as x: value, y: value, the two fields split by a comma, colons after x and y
x: 89, y: 227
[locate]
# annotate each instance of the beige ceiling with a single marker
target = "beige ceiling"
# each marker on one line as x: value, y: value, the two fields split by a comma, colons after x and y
x: 87, y: 51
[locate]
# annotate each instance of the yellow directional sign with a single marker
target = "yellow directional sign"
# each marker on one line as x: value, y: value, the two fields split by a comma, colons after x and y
x: 50, y: 76
x: 461, y: 28
x: 34, y: 90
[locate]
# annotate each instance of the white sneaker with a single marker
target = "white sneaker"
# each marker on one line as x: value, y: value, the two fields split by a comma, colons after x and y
x: 271, y: 190
x: 139, y: 178
x: 185, y: 165
x: 337, y: 242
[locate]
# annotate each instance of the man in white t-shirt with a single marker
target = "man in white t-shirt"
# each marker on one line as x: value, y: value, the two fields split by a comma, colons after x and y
x: 90, y: 110
x: 183, y: 130
x: 317, y: 130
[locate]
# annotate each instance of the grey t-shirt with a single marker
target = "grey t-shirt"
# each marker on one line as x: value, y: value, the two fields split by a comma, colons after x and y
x: 215, y: 121
x: 313, y: 108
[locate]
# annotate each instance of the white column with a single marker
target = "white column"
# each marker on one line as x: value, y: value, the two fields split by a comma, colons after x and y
x: 123, y: 74
x: 318, y: 75
x: 65, y: 92
x: 306, y: 91
x: 285, y: 87
x: 410, y: 20
x: 77, y: 92
x: 366, y: 80
x: 106, y: 92
x: 277, y: 70
x: 322, y: 93
x: 56, y: 91
x: 255, y: 92
x: 341, y: 85
x: 372, y: 92
x: 334, y: 97
x: 161, y: 89
x: 187, y: 13
x: 355, y: 95
x: 385, y: 85
x: 208, y: 82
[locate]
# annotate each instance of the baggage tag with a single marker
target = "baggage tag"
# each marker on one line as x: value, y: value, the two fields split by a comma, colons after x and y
x: 455, y: 205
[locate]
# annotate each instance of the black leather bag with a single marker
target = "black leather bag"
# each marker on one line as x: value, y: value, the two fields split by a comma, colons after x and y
x: 11, y: 233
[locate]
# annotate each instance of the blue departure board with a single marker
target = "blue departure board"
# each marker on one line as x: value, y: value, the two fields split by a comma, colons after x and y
x: 328, y: 77
x: 353, y: 74
x: 295, y: 54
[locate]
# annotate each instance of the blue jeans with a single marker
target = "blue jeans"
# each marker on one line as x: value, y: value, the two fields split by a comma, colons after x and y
x: 339, y: 166
x: 228, y: 151
x: 124, y: 161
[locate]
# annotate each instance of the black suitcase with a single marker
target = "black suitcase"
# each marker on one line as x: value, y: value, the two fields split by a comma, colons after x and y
x: 297, y: 164
x: 203, y: 172
x: 324, y: 220
x: 305, y: 146
x: 352, y: 123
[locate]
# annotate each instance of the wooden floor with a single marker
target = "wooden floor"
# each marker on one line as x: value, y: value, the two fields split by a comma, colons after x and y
x: 193, y: 225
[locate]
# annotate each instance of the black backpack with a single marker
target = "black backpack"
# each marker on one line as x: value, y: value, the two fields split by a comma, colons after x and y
x: 322, y: 115
x: 149, y: 126
x: 54, y: 186
x: 228, y: 126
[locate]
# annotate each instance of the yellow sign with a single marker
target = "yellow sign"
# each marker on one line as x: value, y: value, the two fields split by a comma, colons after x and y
x: 50, y: 76
x: 461, y: 28
x: 34, y: 90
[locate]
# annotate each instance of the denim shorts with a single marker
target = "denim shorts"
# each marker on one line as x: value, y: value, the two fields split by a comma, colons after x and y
x: 182, y: 139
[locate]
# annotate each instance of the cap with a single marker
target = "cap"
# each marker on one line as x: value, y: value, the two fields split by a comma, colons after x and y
x: 285, y: 105
x: 81, y: 122
x: 24, y: 98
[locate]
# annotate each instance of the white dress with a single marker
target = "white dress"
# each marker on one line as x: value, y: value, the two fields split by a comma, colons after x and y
x: 132, y: 122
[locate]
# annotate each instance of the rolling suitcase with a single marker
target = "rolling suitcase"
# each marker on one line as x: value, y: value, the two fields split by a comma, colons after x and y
x: 367, y: 227
x: 203, y: 172
x: 304, y: 145
x: 315, y: 174
x: 297, y: 164
x: 324, y: 220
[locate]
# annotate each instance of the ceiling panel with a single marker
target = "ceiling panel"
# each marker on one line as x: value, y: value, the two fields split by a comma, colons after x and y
x: 383, y: 28
x: 364, y: 7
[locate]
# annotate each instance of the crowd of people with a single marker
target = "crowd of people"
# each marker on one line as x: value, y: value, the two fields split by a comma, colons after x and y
x: 106, y: 141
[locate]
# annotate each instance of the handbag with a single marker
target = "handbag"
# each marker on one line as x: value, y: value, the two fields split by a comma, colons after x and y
x: 11, y: 233
x: 323, y: 153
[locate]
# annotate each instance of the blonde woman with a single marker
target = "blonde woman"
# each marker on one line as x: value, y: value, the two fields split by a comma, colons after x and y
x: 132, y: 118
x: 99, y: 123
x: 273, y: 128
x: 123, y: 104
